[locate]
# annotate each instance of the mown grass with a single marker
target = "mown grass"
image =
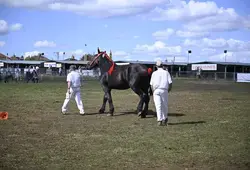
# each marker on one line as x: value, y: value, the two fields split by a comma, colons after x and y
x: 208, y: 129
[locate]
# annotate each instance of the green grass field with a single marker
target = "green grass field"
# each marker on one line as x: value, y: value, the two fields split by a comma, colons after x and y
x: 208, y: 129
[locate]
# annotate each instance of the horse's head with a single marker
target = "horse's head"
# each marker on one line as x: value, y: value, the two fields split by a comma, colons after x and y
x: 100, y: 58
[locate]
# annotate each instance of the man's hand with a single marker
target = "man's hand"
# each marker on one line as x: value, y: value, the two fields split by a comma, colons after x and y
x: 170, y: 87
x: 68, y: 91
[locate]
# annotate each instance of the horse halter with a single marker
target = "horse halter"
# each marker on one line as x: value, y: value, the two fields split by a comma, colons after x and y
x: 98, y: 55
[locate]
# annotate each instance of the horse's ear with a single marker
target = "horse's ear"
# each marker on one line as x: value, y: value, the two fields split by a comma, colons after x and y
x: 98, y: 50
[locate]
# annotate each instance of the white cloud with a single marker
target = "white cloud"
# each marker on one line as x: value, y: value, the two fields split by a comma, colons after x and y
x: 157, y: 49
x: 45, y: 43
x: 171, y: 59
x: 188, y: 34
x: 213, y: 49
x: 121, y: 55
x: 201, y: 16
x: 106, y: 25
x: 219, y: 43
x: 5, y: 28
x: 207, y: 51
x: 225, y: 20
x: 185, y: 11
x: 242, y: 56
x: 163, y: 34
x: 136, y: 36
x: 101, y: 8
x: 188, y: 42
x: 16, y: 27
x: 30, y: 54
x: 2, y: 43
x: 76, y: 53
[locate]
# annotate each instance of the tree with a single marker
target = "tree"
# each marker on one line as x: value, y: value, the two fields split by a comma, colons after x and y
x: 14, y: 57
x: 38, y: 57
x: 72, y: 58
x: 87, y: 57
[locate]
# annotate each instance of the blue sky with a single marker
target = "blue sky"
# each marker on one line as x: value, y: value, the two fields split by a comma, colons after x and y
x: 133, y: 30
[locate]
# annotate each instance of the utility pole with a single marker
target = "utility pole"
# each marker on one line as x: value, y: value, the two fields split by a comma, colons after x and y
x: 225, y: 55
x: 63, y: 55
x: 172, y: 65
x: 40, y: 54
x: 189, y: 52
x: 225, y: 73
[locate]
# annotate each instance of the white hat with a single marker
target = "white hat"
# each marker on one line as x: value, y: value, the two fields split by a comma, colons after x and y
x: 158, y: 63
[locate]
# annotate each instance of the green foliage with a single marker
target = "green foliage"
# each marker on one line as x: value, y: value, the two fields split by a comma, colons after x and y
x: 37, y: 58
x: 87, y: 57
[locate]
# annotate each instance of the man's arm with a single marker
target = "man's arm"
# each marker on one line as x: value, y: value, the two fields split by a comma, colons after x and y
x: 169, y: 82
x: 170, y: 87
x: 152, y: 81
x: 68, y: 82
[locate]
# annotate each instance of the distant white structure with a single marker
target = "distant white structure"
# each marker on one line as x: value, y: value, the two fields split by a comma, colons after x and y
x: 122, y: 63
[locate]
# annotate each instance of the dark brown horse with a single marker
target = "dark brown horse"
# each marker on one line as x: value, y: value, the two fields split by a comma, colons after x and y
x: 122, y: 77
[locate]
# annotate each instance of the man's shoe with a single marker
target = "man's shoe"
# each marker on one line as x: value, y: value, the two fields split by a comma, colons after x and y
x: 159, y: 123
x: 165, y: 122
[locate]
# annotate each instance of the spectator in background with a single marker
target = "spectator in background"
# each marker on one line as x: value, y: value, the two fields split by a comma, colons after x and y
x: 60, y: 71
x: 165, y: 68
x: 199, y: 72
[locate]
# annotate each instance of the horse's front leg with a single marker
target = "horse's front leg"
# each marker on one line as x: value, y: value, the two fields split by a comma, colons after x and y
x: 105, y: 99
x: 111, y: 106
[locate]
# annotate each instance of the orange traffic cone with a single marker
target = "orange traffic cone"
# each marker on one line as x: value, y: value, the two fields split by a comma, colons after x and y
x: 3, y: 115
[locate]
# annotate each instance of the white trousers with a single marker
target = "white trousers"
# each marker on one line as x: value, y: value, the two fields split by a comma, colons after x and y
x: 161, y: 103
x: 74, y: 93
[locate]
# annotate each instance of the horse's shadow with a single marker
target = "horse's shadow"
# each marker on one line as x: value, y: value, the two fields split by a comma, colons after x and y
x: 150, y: 114
x: 187, y: 123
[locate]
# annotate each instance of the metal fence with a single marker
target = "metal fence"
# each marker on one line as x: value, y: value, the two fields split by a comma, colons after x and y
x: 205, y: 75
x: 50, y: 74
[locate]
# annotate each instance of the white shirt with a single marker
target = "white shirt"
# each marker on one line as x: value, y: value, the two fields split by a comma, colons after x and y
x: 160, y: 79
x: 74, y: 78
x: 17, y: 70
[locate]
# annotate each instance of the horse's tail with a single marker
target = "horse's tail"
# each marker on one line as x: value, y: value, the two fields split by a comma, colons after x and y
x: 150, y: 71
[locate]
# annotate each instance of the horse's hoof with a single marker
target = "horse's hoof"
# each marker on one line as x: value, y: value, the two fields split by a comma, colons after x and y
x: 109, y: 114
x: 101, y: 111
x: 139, y: 114
x: 143, y: 116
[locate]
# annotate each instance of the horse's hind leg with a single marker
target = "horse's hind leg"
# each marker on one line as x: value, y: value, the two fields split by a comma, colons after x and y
x: 140, y: 104
x: 146, y: 100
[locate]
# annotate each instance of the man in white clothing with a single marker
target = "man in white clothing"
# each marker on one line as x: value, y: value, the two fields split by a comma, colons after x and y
x: 74, y: 90
x: 161, y: 84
